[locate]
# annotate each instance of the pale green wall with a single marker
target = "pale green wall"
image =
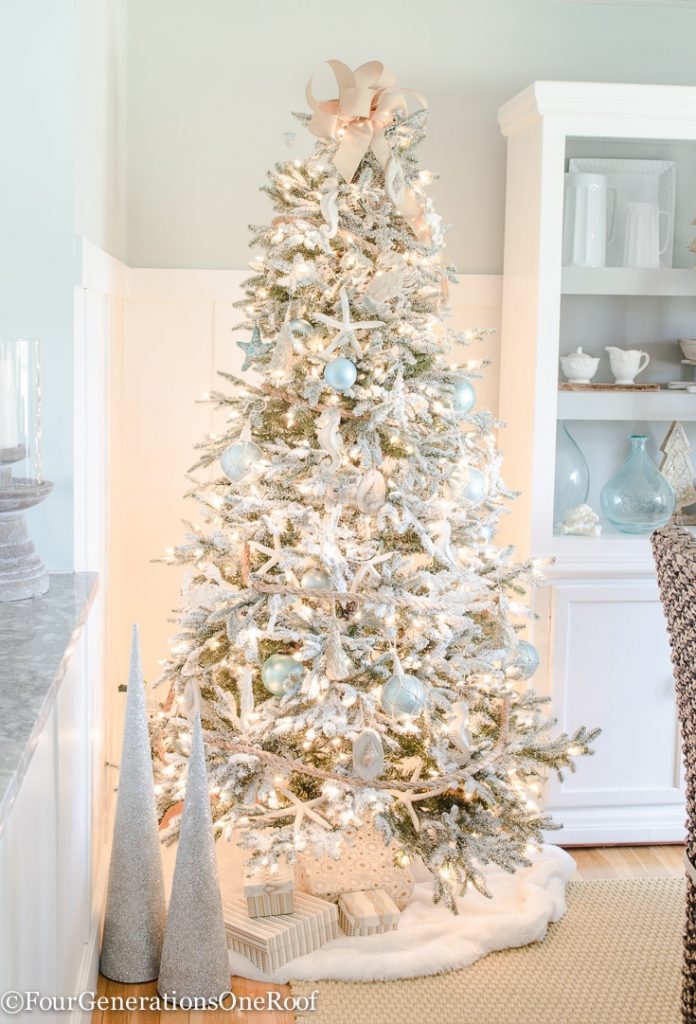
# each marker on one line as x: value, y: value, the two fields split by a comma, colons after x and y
x: 100, y: 111
x: 36, y: 231
x: 62, y: 172
x: 211, y: 84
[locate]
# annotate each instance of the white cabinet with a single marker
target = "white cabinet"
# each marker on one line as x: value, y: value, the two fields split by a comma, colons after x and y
x: 53, y: 848
x: 605, y: 656
x: 609, y: 664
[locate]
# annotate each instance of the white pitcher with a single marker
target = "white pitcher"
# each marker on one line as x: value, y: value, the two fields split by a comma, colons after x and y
x: 585, y: 220
x: 626, y: 363
x: 642, y: 242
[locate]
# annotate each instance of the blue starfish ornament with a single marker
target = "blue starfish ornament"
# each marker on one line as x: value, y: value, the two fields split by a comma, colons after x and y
x: 254, y: 348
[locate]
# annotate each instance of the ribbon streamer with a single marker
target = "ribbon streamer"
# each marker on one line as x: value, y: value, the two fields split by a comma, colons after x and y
x: 366, y: 105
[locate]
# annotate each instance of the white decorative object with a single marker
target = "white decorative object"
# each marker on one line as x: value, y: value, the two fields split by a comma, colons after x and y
x: 582, y: 521
x: 642, y: 181
x: 329, y: 435
x: 642, y: 247
x: 368, y: 913
x: 269, y: 893
x: 626, y: 363
x: 270, y: 942
x: 385, y: 285
x: 367, y: 863
x: 135, y: 907
x: 194, y: 955
x: 338, y: 664
x: 346, y: 327
x: 459, y: 726
x: 371, y: 493
x: 677, y: 468
x: 585, y: 220
x: 328, y: 204
x: 579, y: 367
x: 688, y: 347
x: 368, y: 755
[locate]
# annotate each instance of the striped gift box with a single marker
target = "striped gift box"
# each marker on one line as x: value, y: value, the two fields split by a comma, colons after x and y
x: 368, y: 913
x: 268, y: 895
x: 269, y: 942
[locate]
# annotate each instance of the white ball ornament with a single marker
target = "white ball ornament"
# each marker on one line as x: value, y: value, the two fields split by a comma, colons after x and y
x: 525, y: 660
x: 473, y: 489
x: 340, y: 374
x: 281, y: 674
x: 316, y: 579
x: 403, y: 695
x: 464, y: 397
x: 236, y: 461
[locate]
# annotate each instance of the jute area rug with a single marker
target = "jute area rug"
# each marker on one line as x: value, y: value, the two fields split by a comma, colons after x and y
x: 615, y: 958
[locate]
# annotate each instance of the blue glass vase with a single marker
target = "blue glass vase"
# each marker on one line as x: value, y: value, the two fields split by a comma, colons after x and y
x: 572, y: 481
x: 638, y: 499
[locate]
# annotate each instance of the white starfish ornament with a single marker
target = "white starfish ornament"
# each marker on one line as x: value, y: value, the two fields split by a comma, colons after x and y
x: 346, y: 327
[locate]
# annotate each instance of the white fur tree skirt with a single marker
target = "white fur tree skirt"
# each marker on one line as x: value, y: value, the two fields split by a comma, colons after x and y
x: 431, y: 939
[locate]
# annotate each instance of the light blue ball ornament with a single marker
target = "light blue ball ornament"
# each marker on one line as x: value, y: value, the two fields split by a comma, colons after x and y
x: 473, y: 488
x: 340, y: 374
x: 281, y: 674
x: 316, y: 579
x: 237, y: 459
x: 403, y: 695
x: 464, y: 397
x: 525, y: 660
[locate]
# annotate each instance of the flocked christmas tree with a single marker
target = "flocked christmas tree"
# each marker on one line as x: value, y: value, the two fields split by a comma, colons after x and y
x: 356, y: 638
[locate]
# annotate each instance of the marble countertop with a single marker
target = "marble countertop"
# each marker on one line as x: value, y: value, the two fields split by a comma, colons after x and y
x: 37, y: 638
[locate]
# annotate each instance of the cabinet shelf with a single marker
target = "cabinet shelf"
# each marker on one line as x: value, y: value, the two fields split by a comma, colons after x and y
x: 628, y: 281
x: 627, y: 405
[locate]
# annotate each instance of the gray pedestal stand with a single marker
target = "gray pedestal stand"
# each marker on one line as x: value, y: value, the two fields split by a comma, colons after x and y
x: 22, y: 573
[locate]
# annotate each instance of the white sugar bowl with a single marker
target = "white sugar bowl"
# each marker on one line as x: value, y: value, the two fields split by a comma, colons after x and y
x: 579, y: 367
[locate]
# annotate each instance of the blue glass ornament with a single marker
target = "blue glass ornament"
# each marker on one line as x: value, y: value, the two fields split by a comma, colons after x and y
x: 281, y: 674
x: 340, y: 374
x: 572, y: 480
x: 316, y: 579
x: 237, y: 459
x: 473, y: 488
x: 464, y: 397
x: 525, y: 660
x: 403, y: 695
x: 638, y: 499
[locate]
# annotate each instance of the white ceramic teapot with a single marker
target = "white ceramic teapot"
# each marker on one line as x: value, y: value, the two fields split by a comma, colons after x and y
x: 626, y: 363
x: 579, y: 367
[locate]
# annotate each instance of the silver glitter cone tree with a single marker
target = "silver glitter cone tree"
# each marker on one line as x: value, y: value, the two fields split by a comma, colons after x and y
x: 135, y: 908
x: 195, y: 963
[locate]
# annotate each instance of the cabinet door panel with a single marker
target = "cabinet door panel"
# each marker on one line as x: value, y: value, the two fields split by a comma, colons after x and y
x: 611, y: 668
x: 74, y: 783
x: 30, y: 876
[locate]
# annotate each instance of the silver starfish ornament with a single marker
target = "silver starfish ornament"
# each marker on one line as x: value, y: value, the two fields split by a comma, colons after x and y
x: 254, y: 348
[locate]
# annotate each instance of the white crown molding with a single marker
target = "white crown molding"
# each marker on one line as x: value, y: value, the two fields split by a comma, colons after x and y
x: 587, y: 100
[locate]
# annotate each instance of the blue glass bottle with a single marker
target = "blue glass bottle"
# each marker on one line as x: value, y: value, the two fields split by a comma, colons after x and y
x: 638, y: 499
x: 572, y: 480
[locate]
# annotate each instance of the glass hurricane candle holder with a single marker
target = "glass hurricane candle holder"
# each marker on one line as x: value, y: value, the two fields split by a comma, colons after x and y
x: 22, y: 573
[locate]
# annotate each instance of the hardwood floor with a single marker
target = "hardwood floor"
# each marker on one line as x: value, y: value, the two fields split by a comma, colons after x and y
x: 593, y: 862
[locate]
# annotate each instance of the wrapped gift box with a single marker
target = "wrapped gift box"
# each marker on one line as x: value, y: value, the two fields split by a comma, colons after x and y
x: 269, y: 894
x: 364, y: 864
x: 269, y: 942
x: 368, y: 913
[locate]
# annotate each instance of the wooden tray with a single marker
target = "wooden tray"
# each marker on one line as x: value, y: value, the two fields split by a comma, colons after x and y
x: 564, y: 385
